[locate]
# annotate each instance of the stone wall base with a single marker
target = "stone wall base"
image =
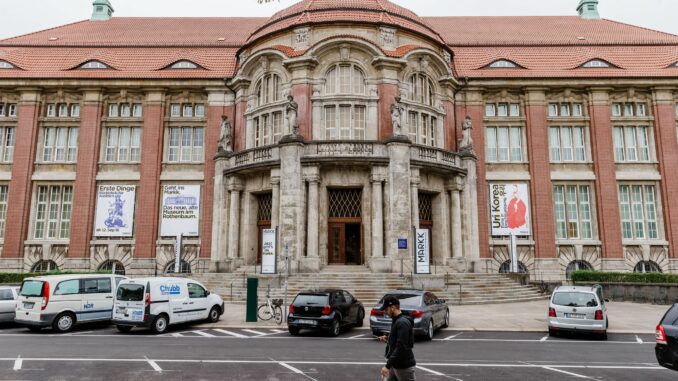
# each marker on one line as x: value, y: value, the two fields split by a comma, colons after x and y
x: 309, y: 265
x: 379, y: 264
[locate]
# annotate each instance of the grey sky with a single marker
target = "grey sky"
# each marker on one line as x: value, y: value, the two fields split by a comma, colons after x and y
x: 27, y: 16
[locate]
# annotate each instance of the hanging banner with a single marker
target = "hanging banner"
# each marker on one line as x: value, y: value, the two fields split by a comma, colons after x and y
x: 115, y: 211
x: 422, y: 251
x: 180, y: 210
x: 509, y: 209
x: 269, y: 257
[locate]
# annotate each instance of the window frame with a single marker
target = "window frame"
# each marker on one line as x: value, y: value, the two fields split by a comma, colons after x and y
x: 54, y: 140
x: 111, y: 154
x: 623, y: 150
x: 334, y: 84
x: 50, y: 214
x: 497, y: 144
x: 630, y: 207
x: 564, y: 212
x: 503, y: 64
x: 180, y: 150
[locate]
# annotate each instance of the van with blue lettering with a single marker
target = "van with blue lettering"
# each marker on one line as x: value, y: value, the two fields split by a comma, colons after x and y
x: 156, y: 303
x: 62, y: 301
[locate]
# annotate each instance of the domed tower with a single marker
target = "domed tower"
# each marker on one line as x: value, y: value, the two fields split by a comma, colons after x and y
x: 345, y: 130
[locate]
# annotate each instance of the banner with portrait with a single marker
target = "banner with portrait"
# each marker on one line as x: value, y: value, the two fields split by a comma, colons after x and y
x: 115, y: 211
x: 509, y: 209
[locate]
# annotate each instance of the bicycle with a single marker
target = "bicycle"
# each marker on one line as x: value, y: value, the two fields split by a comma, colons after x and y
x: 271, y: 309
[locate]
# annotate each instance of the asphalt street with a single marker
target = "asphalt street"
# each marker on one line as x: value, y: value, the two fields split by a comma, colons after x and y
x: 199, y: 353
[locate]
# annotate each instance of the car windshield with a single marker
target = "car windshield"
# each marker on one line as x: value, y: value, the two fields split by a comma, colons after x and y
x: 32, y: 288
x: 575, y: 299
x: 130, y: 292
x: 311, y: 300
x: 406, y: 300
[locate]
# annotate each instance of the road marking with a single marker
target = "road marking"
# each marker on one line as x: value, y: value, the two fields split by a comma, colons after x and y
x: 79, y: 333
x: 639, y: 340
x: 277, y: 331
x: 565, y: 372
x: 295, y: 370
x: 452, y: 337
x: 430, y: 371
x: 177, y: 334
x: 205, y: 334
x: 18, y: 363
x: 254, y: 332
x: 230, y: 333
x: 356, y: 336
x: 544, y: 338
x: 154, y: 365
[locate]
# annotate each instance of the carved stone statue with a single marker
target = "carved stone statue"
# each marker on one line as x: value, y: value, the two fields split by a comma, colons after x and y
x: 397, y: 110
x: 226, y: 135
x: 466, y: 144
x: 291, y: 111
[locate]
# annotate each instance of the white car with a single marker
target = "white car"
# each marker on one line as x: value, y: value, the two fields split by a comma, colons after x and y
x: 578, y: 309
x: 158, y: 302
x: 8, y: 297
x: 62, y: 301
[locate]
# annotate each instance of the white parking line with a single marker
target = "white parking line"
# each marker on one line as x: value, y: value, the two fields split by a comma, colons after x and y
x: 568, y: 373
x: 544, y: 338
x: 230, y: 333
x: 18, y: 363
x: 639, y: 340
x: 453, y: 336
x: 177, y: 334
x: 430, y: 371
x: 295, y: 370
x: 277, y: 331
x: 154, y: 365
x: 205, y: 334
x: 356, y: 336
x: 254, y: 332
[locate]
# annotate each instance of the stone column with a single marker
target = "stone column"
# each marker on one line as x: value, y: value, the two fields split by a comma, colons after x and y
x: 414, y: 191
x: 275, y: 199
x: 219, y: 217
x: 311, y: 262
x: 378, y: 261
x: 235, y: 187
x: 455, y: 187
x: 399, y: 225
x: 291, y: 208
x: 470, y: 215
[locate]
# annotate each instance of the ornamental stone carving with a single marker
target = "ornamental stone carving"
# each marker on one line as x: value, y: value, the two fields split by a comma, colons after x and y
x: 397, y: 110
x: 291, y: 111
x: 226, y: 136
x: 466, y: 145
x: 301, y: 39
x: 388, y: 38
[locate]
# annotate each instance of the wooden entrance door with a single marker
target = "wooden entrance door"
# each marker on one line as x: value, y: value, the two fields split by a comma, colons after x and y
x: 337, y: 243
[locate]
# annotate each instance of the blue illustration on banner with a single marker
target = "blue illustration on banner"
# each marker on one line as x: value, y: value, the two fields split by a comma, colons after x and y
x: 115, y: 213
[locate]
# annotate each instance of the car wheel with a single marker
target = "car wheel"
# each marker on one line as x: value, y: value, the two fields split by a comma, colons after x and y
x: 124, y: 328
x: 603, y: 336
x: 430, y: 331
x: 213, y: 317
x: 553, y: 332
x: 294, y: 331
x: 159, y: 325
x: 446, y: 323
x: 335, y: 330
x: 361, y: 318
x: 64, y: 322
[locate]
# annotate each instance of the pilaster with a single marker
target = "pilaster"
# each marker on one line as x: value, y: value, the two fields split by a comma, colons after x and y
x: 291, y: 207
x: 311, y: 262
x: 400, y: 216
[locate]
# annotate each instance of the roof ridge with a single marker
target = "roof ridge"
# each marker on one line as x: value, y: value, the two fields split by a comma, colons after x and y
x: 44, y: 30
x: 641, y: 27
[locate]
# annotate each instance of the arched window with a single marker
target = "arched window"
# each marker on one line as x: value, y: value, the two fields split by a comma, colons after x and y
x: 576, y: 266
x: 113, y: 267
x: 6, y: 65
x: 45, y: 267
x: 345, y: 79
x: 268, y: 89
x: 505, y: 268
x: 422, y: 89
x: 94, y: 65
x: 647, y: 267
x: 184, y: 65
x: 503, y: 64
x: 596, y: 64
x: 184, y: 267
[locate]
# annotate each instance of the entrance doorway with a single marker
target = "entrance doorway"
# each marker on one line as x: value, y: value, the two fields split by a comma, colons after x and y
x: 345, y: 229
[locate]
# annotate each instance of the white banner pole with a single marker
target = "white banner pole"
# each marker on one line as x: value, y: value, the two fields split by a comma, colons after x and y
x: 514, y: 254
x: 177, y: 255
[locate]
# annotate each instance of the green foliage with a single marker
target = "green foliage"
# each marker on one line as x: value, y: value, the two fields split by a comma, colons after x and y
x: 607, y: 277
x: 16, y: 278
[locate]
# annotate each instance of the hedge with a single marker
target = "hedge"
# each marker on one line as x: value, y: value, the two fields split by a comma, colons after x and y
x: 609, y: 277
x: 16, y: 278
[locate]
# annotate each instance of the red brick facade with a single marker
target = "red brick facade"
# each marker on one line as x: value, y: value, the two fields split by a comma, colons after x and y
x: 667, y: 154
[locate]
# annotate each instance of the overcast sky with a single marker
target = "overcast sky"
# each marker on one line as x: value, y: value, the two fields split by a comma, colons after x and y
x: 25, y: 16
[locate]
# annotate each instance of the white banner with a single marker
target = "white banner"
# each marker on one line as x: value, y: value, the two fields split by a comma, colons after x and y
x: 180, y: 210
x: 422, y: 251
x: 115, y: 211
x: 268, y: 251
x: 509, y: 209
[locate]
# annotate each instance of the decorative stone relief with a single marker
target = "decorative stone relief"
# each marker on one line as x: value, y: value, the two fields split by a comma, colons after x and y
x: 225, y: 137
x: 656, y: 254
x: 570, y: 253
x: 301, y: 39
x: 291, y: 110
x: 397, y: 111
x: 466, y: 145
x: 448, y: 57
x: 388, y: 38
x: 500, y: 254
x: 244, y: 55
x: 345, y: 53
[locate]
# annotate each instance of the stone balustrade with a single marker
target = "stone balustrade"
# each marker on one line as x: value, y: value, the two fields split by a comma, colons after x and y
x: 434, y: 156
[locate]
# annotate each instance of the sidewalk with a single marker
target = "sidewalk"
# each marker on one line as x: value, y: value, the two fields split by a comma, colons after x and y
x: 520, y: 317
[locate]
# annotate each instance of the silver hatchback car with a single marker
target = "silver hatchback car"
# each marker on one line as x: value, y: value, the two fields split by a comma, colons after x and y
x: 8, y: 296
x: 578, y: 309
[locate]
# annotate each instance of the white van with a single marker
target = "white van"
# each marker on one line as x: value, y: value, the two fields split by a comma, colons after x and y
x: 61, y: 301
x: 159, y: 302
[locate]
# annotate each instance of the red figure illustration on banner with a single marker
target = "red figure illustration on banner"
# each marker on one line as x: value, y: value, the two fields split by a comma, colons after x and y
x: 517, y: 210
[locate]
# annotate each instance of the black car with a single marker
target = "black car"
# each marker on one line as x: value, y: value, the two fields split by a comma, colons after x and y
x: 326, y: 310
x: 667, y: 339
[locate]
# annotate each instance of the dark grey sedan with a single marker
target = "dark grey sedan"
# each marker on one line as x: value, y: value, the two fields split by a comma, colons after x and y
x: 429, y: 313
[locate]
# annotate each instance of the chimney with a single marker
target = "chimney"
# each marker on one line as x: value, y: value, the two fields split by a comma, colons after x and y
x: 103, y: 10
x: 588, y: 10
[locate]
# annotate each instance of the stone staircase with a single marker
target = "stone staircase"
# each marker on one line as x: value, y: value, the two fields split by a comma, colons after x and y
x: 369, y: 287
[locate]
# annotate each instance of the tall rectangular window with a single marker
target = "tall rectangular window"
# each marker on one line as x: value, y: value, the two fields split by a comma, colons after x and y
x: 331, y: 123
x: 359, y: 122
x: 123, y: 144
x: 631, y: 143
x: 4, y: 190
x: 185, y: 145
x: 60, y: 145
x: 567, y: 144
x: 53, y: 208
x: 638, y: 208
x: 572, y: 207
x: 504, y: 144
x: 345, y: 122
x: 7, y: 144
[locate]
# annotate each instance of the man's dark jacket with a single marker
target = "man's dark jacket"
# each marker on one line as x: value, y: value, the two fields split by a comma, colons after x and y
x: 399, y: 353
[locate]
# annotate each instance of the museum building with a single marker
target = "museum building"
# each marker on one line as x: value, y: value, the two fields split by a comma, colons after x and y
x: 345, y: 126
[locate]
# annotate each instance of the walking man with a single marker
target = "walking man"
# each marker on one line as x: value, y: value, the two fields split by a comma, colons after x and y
x: 400, y: 362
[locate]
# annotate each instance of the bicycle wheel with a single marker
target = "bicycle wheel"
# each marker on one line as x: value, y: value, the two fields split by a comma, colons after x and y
x: 264, y: 313
x: 278, y: 314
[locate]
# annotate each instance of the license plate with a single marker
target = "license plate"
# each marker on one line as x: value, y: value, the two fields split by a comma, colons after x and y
x: 576, y: 316
x: 137, y: 315
x: 121, y: 311
x: 28, y: 306
x: 307, y: 322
